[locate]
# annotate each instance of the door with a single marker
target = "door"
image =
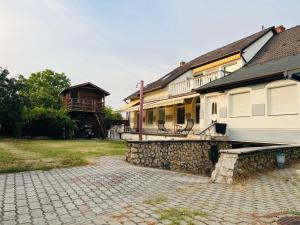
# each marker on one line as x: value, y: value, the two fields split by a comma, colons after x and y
x: 211, y: 110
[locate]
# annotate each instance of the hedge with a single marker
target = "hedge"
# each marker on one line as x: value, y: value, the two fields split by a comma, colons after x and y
x: 47, y: 122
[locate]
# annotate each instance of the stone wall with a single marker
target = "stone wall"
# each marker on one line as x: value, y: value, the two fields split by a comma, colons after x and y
x: 237, y: 164
x: 184, y: 155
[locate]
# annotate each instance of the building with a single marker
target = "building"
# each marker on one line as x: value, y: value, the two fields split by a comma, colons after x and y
x: 85, y: 103
x: 261, y: 101
x: 172, y: 99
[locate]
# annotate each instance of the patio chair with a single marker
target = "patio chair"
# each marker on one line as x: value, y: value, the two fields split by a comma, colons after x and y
x: 189, y: 126
x: 161, y: 127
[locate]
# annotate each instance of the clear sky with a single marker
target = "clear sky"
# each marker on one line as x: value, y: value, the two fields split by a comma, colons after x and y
x: 116, y: 43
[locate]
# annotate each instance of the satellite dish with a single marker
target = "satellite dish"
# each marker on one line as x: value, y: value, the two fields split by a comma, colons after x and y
x: 214, y: 117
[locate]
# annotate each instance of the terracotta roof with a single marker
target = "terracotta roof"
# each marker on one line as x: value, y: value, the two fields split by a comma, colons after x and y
x: 281, y: 53
x: 87, y: 84
x: 225, y: 51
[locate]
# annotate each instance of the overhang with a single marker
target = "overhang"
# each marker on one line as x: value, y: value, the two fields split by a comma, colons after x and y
x: 125, y: 107
x: 161, y: 103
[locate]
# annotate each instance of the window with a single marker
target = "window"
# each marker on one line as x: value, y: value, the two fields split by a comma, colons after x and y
x: 197, y: 113
x: 161, y: 114
x: 283, y: 100
x: 214, y: 108
x: 239, y: 104
x: 181, y: 115
x: 150, y: 117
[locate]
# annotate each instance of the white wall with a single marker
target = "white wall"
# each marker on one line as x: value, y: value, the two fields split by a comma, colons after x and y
x: 183, y: 77
x: 251, y: 51
x: 262, y: 127
x: 156, y: 95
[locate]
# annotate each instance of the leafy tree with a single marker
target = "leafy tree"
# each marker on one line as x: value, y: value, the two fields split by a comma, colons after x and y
x: 41, y: 89
x: 111, y: 115
x: 10, y: 104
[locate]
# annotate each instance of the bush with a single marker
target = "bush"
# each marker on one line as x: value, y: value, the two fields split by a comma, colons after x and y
x: 47, y: 122
x: 111, y: 117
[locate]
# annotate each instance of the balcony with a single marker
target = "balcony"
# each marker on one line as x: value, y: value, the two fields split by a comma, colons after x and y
x: 186, y: 86
x: 84, y: 105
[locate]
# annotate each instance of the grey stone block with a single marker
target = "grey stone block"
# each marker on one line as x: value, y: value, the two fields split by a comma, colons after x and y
x: 223, y: 112
x: 258, y: 109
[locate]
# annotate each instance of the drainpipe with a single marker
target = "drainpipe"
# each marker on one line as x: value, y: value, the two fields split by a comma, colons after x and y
x: 141, y: 110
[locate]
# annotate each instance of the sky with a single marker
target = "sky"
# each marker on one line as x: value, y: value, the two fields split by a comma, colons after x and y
x: 116, y: 43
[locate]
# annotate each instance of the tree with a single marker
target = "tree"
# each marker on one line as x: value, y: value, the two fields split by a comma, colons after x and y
x: 10, y: 104
x: 41, y: 89
x: 111, y: 115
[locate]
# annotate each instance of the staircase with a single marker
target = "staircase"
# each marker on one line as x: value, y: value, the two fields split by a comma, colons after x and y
x: 209, y: 134
x: 206, y: 134
x: 101, y: 124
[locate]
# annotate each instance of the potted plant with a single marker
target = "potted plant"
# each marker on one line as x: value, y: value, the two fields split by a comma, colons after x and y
x: 280, y: 158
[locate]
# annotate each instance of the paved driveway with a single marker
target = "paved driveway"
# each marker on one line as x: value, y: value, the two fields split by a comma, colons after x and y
x: 114, y: 192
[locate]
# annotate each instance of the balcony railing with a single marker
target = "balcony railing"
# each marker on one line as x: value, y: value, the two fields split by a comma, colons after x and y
x: 85, y: 105
x: 187, y: 85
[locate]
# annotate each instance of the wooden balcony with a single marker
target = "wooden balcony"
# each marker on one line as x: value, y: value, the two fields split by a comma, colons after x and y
x: 84, y: 105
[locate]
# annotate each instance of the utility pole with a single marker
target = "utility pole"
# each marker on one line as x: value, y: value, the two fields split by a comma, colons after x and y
x: 141, y: 110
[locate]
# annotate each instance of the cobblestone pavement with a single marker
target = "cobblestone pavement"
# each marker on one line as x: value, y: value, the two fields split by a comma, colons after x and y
x: 114, y: 192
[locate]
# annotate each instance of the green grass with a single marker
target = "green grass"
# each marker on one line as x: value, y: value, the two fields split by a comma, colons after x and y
x: 155, y: 201
x: 176, y: 216
x: 293, y: 212
x: 22, y: 155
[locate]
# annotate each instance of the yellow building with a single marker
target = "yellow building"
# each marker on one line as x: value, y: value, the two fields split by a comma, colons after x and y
x: 172, y: 98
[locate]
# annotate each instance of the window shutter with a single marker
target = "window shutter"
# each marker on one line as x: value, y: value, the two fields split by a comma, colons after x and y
x: 240, y: 104
x: 282, y: 100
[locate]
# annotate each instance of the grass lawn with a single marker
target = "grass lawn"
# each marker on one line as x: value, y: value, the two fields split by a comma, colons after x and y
x: 21, y: 155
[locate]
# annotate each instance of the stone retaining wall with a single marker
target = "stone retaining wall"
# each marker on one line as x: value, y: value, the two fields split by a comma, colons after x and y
x: 185, y: 155
x: 236, y: 164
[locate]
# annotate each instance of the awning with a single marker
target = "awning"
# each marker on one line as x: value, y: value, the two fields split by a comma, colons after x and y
x: 125, y: 107
x: 170, y: 101
x: 173, y: 101
x: 165, y: 102
x: 137, y: 108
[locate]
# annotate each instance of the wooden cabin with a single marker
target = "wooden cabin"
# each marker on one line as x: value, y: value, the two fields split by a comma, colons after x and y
x: 85, y: 103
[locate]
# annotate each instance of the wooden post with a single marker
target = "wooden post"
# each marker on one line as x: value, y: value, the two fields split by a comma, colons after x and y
x: 141, y: 110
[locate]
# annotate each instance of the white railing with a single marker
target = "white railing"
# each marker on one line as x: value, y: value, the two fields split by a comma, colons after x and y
x: 187, y: 85
x: 181, y: 87
x: 205, y: 79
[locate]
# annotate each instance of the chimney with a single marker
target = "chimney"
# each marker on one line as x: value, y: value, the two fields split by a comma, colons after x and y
x: 182, y: 63
x: 280, y: 29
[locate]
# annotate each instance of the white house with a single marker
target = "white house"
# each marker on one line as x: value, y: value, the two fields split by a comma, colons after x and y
x: 172, y: 99
x: 261, y: 101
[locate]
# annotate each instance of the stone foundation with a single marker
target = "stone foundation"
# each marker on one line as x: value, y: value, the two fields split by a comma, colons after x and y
x: 237, y: 164
x: 184, y: 155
